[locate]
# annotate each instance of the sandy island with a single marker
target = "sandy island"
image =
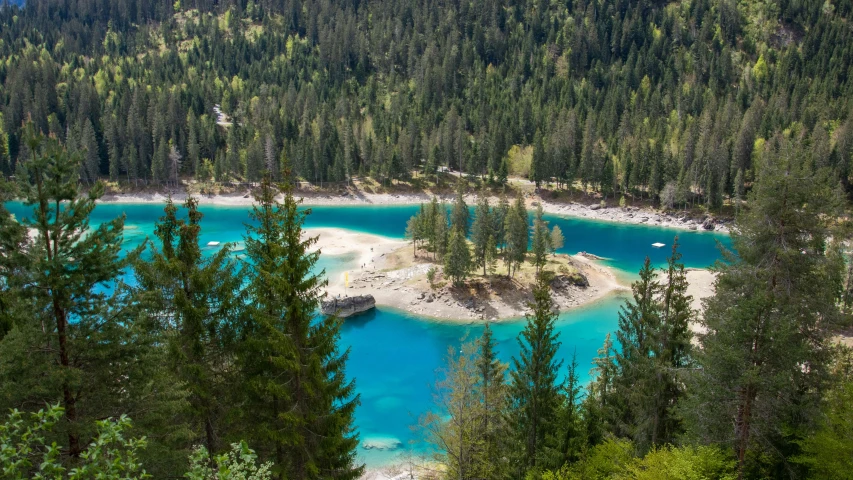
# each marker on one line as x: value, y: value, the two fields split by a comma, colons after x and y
x: 387, y: 269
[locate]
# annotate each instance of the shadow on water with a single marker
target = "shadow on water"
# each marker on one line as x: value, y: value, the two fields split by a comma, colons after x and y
x: 359, y: 321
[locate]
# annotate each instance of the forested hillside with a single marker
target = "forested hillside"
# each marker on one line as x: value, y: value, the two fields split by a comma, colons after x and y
x: 633, y: 97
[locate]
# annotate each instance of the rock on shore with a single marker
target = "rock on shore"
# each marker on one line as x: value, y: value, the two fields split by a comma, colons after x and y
x: 348, y: 306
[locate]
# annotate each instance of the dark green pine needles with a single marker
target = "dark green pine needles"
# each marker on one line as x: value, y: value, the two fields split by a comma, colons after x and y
x: 300, y: 404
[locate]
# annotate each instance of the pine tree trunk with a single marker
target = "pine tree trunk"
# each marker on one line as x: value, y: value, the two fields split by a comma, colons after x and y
x: 744, y: 417
x: 70, y: 403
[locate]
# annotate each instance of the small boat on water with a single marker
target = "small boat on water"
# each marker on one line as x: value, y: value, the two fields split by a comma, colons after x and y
x: 658, y: 245
x: 212, y: 244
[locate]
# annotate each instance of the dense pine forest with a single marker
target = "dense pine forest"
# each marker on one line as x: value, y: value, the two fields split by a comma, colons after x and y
x: 642, y: 98
x: 169, y: 363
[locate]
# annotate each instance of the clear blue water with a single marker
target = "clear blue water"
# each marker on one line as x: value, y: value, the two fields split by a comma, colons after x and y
x: 394, y: 355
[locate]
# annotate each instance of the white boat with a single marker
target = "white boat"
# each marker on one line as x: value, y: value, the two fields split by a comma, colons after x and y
x: 658, y: 245
x: 212, y: 244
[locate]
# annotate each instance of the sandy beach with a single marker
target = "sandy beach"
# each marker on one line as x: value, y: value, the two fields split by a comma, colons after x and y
x: 365, y: 247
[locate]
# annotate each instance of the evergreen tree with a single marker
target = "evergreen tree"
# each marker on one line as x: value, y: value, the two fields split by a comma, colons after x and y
x: 541, y: 240
x: 533, y: 393
x: 199, y: 304
x: 492, y: 394
x: 569, y: 440
x: 538, y: 165
x: 76, y: 340
x: 300, y: 404
x: 482, y: 234
x: 457, y: 262
x: 516, y: 232
x: 459, y: 215
x: 639, y: 324
x: 441, y: 232
x: 600, y: 404
x: 764, y: 364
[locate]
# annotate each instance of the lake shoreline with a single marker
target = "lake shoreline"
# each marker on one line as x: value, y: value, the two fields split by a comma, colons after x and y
x: 627, y: 216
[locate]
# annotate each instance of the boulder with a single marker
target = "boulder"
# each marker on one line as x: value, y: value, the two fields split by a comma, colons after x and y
x: 596, y: 206
x: 348, y: 306
x: 560, y: 282
x: 381, y: 443
x: 708, y: 224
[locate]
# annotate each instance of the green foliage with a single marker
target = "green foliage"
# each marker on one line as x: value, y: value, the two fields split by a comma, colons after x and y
x: 68, y: 345
x: 483, y: 234
x: 541, y: 244
x: 24, y: 453
x: 828, y: 452
x: 300, y: 404
x: 775, y: 304
x: 534, y: 397
x: 241, y: 463
x: 558, y: 241
x: 516, y: 235
x: 682, y: 463
x: 457, y: 262
x: 198, y: 300
x: 603, y: 462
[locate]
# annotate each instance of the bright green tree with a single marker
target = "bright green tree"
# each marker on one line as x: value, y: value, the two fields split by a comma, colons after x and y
x: 558, y: 241
x: 454, y: 430
x: 25, y: 453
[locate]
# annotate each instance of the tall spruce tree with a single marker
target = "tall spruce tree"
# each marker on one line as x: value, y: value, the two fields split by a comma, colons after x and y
x: 569, y: 441
x: 517, y: 236
x: 764, y: 357
x: 460, y: 214
x: 300, y: 403
x: 483, y: 234
x: 492, y: 393
x: 533, y: 394
x: 199, y: 307
x: 673, y: 350
x: 457, y: 262
x: 541, y: 243
x: 639, y: 325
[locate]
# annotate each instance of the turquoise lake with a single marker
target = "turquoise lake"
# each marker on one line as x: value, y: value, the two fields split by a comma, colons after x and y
x: 394, y: 355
